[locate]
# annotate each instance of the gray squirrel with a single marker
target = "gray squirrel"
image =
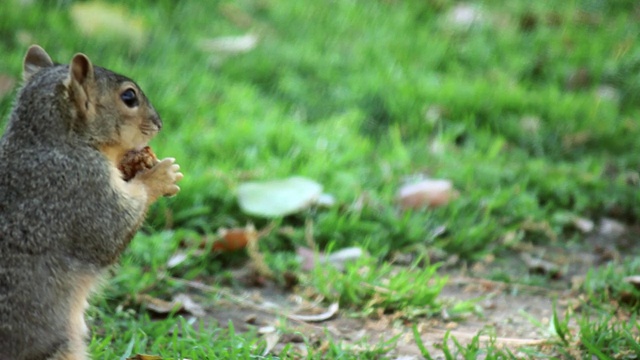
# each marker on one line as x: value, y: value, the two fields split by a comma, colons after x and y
x: 66, y: 213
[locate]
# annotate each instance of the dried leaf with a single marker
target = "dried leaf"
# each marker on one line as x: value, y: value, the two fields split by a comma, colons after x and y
x: 189, y: 305
x: 579, y: 79
x: 278, y: 198
x: 307, y: 258
x: 583, y: 224
x: 180, y: 303
x: 343, y: 256
x: 176, y: 259
x: 272, y: 338
x: 7, y: 84
x: 331, y: 311
x: 531, y: 124
x: 157, y: 305
x: 98, y: 19
x: 266, y: 330
x: 541, y: 266
x: 326, y: 200
x: 633, y: 280
x: 465, y: 15
x: 608, y: 93
x: 338, y: 259
x: 233, y: 239
x: 612, y: 228
x: 237, y: 238
x: 426, y: 193
x: 230, y: 44
x: 145, y: 357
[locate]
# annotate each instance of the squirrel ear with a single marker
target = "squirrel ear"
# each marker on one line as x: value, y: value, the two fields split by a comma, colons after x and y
x: 81, y: 83
x: 35, y: 59
x: 81, y: 69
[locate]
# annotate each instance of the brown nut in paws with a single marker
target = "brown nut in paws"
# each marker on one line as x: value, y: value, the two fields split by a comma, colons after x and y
x: 135, y: 161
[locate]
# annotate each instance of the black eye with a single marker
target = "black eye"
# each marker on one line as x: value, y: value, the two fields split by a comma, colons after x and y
x: 129, y: 98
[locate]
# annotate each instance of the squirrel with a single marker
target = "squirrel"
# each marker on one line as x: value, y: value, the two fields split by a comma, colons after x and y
x: 66, y: 213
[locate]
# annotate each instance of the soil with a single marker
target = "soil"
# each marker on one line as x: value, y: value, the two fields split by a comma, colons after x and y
x: 515, y: 315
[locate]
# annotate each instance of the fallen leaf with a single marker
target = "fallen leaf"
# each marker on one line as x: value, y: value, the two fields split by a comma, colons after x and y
x: 341, y: 257
x: 230, y: 44
x: 338, y: 259
x: 98, y: 19
x: 176, y: 259
x: 331, y: 311
x: 7, y: 83
x: 326, y: 201
x: 232, y: 239
x: 611, y: 228
x: 426, y: 193
x: 307, y: 258
x: 465, y: 15
x: 266, y: 330
x: 156, y: 305
x: 145, y: 357
x: 278, y: 198
x: 633, y: 280
x: 608, y: 93
x: 531, y: 124
x: 541, y: 266
x: 189, y: 305
x: 579, y: 79
x: 272, y: 339
x: 180, y: 303
x: 583, y: 224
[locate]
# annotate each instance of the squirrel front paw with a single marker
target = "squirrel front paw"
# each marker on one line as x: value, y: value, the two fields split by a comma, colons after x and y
x: 161, y: 179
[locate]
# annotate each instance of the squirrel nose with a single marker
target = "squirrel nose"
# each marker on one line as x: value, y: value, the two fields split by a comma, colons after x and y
x: 155, y: 119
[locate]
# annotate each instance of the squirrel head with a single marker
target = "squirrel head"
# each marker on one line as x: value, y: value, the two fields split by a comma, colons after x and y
x: 105, y: 109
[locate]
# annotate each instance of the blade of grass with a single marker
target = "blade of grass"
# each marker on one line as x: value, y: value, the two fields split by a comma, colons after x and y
x: 420, y: 343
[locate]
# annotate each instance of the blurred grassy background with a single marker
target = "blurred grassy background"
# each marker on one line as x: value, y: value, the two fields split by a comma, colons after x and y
x: 529, y: 108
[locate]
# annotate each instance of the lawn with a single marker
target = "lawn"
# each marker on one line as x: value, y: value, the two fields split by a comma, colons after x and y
x: 530, y: 109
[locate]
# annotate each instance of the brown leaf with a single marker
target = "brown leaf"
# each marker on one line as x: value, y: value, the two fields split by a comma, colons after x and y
x: 426, y: 193
x: 465, y: 15
x: 232, y: 239
x: 230, y: 44
x: 583, y: 224
x: 181, y: 303
x: 177, y: 259
x: 156, y: 305
x: 633, y: 280
x: 579, y: 79
x: 612, y: 228
x: 272, y: 338
x: 309, y: 259
x: 238, y: 238
x: 329, y: 313
x: 541, y: 266
x: 7, y: 84
x: 189, y: 305
x: 145, y: 357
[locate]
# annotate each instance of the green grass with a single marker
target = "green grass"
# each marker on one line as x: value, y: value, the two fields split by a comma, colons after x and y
x: 360, y: 96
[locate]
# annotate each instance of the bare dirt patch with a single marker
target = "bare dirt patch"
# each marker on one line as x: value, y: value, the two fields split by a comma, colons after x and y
x: 510, y: 314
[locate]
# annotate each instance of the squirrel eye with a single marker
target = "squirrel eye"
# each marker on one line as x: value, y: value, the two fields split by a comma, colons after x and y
x: 129, y: 98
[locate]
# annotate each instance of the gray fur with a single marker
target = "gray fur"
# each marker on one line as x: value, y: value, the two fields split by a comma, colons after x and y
x: 62, y: 221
